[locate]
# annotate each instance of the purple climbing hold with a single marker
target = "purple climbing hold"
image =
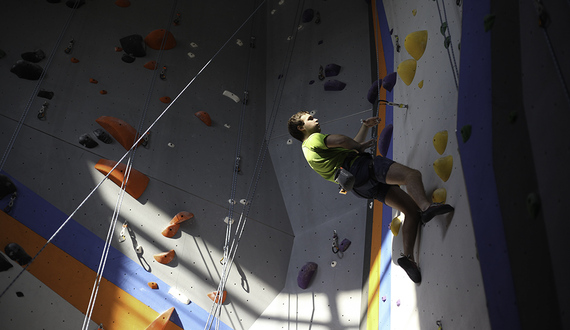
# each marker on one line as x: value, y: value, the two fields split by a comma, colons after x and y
x: 344, y: 245
x: 389, y: 81
x: 311, y: 82
x: 372, y: 95
x: 308, y: 15
x: 385, y: 139
x: 133, y: 45
x: 334, y: 85
x: 332, y: 70
x: 306, y: 274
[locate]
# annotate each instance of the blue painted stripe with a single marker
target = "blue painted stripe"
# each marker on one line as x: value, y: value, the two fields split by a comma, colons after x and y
x: 43, y: 218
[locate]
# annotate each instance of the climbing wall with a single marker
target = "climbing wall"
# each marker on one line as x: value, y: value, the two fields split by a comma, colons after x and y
x: 338, y: 33
x: 190, y: 165
x: 451, y: 291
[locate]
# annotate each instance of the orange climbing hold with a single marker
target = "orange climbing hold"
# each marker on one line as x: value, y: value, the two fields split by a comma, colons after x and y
x: 151, y: 65
x: 174, y: 224
x: 137, y: 181
x: 118, y: 49
x: 215, y: 296
x: 124, y: 133
x: 155, y: 39
x: 153, y: 285
x: 74, y: 60
x: 165, y: 257
x: 123, y: 3
x: 161, y: 321
x: 102, y: 92
x: 165, y: 99
x: 93, y: 81
x: 205, y: 117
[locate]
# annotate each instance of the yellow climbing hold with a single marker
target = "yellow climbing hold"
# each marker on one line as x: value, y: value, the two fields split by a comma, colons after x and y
x: 439, y: 195
x: 407, y: 70
x: 443, y: 167
x: 414, y: 12
x: 440, y: 141
x: 395, y: 226
x: 416, y: 43
x: 421, y: 84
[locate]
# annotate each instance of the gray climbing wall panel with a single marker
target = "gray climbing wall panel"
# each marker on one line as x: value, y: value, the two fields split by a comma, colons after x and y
x: 190, y: 165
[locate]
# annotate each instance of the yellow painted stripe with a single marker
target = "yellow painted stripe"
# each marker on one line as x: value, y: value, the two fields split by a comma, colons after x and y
x: 376, y: 245
x: 72, y: 280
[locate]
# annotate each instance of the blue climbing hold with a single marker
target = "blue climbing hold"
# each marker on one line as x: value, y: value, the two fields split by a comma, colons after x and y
x: 385, y: 139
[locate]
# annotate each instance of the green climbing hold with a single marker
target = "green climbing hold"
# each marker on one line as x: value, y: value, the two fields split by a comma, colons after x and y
x: 533, y: 204
x: 443, y: 27
x: 489, y: 21
x: 447, y: 42
x: 513, y: 116
x: 466, y: 132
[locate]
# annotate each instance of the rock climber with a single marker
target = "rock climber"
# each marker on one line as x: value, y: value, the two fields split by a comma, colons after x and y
x: 374, y: 177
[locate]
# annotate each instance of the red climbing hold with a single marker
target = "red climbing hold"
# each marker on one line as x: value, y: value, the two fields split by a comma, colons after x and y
x: 161, y: 321
x: 74, y: 60
x: 118, y: 49
x: 155, y: 39
x: 124, y: 133
x: 165, y: 99
x: 215, y: 296
x: 165, y: 257
x: 205, y: 117
x: 137, y: 181
x: 151, y: 65
x: 93, y: 81
x: 123, y: 3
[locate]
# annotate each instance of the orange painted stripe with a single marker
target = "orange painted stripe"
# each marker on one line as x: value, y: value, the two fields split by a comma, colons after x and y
x: 376, y: 244
x: 72, y: 280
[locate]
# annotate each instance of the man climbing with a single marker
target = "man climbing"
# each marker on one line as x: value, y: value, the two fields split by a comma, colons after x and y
x: 374, y: 177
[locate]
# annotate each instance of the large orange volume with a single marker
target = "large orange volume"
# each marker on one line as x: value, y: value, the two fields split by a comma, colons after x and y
x: 124, y: 133
x: 137, y: 181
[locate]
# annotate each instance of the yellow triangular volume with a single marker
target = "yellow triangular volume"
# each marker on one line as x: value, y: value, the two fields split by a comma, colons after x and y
x: 443, y: 167
x: 395, y: 226
x: 416, y: 43
x: 407, y: 71
x: 440, y: 141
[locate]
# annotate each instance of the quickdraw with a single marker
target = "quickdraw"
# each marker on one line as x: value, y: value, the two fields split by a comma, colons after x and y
x: 335, y: 248
x: 8, y: 207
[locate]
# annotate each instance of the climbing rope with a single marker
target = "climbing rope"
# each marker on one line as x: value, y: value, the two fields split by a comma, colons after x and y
x: 37, y: 87
x: 448, y: 42
x: 233, y: 246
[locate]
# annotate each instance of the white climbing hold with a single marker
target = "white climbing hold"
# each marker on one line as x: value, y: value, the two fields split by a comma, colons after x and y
x: 289, y: 38
x: 371, y: 205
x: 139, y: 249
x: 313, y: 112
x: 231, y: 201
x: 179, y: 295
x: 226, y: 126
x: 239, y: 42
x: 333, y: 264
x: 281, y: 2
x: 171, y: 145
x: 191, y: 55
x: 231, y: 96
x: 229, y: 220
x: 194, y: 45
x: 273, y: 12
x: 290, y: 141
x: 243, y: 201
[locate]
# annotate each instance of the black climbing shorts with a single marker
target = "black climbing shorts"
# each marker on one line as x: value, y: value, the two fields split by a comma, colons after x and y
x: 370, y: 177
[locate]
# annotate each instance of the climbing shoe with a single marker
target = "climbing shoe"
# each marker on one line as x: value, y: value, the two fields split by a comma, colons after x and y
x: 411, y: 269
x: 433, y: 210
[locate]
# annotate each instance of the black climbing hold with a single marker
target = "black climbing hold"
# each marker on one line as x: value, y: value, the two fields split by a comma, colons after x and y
x: 45, y: 94
x: 75, y: 3
x: 5, y: 264
x: 308, y: 15
x: 34, y: 56
x: 447, y: 41
x: 17, y: 253
x: 128, y: 58
x: 332, y: 70
x: 320, y: 42
x: 443, y: 27
x: 372, y: 95
x: 311, y: 82
x: 334, y: 85
x: 466, y: 133
x: 133, y: 45
x: 7, y: 187
x: 318, y: 19
x: 27, y: 70
x: 513, y: 115
x: 102, y: 135
x: 19, y: 294
x: 87, y: 141
x: 2, y: 53
x: 54, y: 1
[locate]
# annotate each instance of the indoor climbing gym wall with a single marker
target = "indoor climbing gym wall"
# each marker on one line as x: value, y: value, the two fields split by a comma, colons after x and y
x: 171, y: 97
